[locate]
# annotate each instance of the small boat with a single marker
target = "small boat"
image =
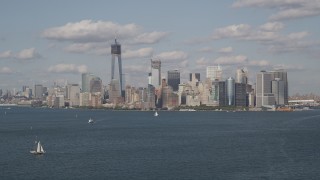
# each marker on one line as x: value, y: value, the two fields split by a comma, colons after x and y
x: 91, y: 121
x: 156, y: 114
x: 38, y: 150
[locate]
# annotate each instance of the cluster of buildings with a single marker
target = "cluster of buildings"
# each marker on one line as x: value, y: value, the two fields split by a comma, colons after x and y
x: 270, y: 90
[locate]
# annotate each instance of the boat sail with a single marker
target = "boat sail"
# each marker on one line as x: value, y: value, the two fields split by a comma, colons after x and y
x: 156, y: 114
x: 39, y: 149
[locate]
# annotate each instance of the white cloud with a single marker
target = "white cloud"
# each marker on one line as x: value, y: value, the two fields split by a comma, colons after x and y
x: 260, y: 63
x: 6, y: 54
x: 68, y: 68
x: 231, y: 60
x: 236, y: 31
x: 150, y: 38
x: 172, y: 55
x: 91, y: 31
x: 267, y: 35
x: 206, y: 50
x: 286, y: 9
x: 289, y: 67
x: 5, y: 70
x: 24, y: 54
x: 28, y: 54
x: 140, y: 53
x: 202, y: 61
x: 272, y: 26
x: 226, y: 50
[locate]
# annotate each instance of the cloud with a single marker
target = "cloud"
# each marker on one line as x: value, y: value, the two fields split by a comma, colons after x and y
x: 236, y: 31
x: 260, y: 63
x: 6, y: 54
x: 231, y: 60
x: 206, y: 50
x: 91, y: 31
x: 288, y: 9
x: 68, y: 68
x: 150, y: 38
x: 5, y: 70
x: 140, y: 53
x: 226, y: 50
x: 28, y: 54
x: 172, y: 55
x: 289, y: 67
x: 267, y: 35
x: 272, y: 26
x: 24, y: 54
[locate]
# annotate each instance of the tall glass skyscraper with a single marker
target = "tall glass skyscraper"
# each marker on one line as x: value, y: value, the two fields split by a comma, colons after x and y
x: 230, y: 87
x: 174, y: 79
x: 116, y: 53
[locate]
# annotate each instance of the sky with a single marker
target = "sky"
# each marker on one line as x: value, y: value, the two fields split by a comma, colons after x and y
x: 47, y: 42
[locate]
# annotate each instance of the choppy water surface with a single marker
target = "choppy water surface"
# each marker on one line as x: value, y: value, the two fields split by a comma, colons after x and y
x: 174, y: 145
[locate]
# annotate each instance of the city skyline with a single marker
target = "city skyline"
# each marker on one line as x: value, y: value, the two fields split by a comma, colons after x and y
x: 46, y: 42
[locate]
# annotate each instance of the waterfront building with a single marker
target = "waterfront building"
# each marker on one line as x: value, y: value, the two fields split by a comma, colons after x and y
x: 240, y: 94
x: 214, y: 73
x: 174, y: 79
x: 73, y: 94
x: 58, y: 101
x: 278, y: 89
x: 38, y: 91
x: 116, y: 73
x: 114, y: 91
x: 264, y: 96
x: 85, y: 99
x: 282, y: 76
x: 230, y: 91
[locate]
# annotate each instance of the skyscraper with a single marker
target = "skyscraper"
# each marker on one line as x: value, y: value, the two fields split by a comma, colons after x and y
x: 242, y: 76
x: 230, y: 89
x: 116, y: 53
x: 264, y: 96
x: 278, y: 91
x: 282, y: 76
x: 38, y: 91
x: 86, y: 77
x: 174, y: 79
x: 214, y: 73
x: 156, y: 73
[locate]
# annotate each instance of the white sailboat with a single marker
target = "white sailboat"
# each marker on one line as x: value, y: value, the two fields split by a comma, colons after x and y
x: 156, y: 114
x: 39, y: 149
x: 91, y: 121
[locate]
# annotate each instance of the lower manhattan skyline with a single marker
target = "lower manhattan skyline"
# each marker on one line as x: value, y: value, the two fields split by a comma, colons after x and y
x: 48, y: 42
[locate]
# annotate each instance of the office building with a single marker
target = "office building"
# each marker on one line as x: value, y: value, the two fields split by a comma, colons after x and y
x: 116, y: 73
x: 38, y: 91
x: 174, y: 79
x: 282, y: 76
x: 240, y: 94
x: 264, y: 96
x: 214, y: 73
x: 278, y: 89
x: 230, y: 91
x: 155, y: 73
x: 242, y: 76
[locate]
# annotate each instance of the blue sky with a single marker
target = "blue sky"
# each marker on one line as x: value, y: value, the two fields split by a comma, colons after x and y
x: 42, y: 42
